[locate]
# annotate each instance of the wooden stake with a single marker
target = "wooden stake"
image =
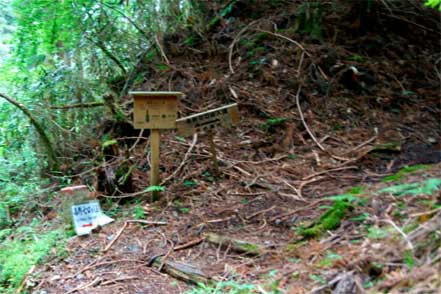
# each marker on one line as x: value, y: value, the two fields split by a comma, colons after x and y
x: 213, y: 151
x: 154, y: 172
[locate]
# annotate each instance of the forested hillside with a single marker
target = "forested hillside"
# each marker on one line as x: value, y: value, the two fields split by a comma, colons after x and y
x: 326, y: 180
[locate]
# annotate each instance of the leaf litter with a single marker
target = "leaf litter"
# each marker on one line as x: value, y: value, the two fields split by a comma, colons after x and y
x: 309, y: 131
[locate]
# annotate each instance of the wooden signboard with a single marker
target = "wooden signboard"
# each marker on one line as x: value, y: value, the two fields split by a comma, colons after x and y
x: 155, y: 110
x: 207, y: 121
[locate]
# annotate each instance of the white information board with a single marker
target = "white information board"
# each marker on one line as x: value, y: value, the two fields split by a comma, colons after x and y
x: 87, y: 216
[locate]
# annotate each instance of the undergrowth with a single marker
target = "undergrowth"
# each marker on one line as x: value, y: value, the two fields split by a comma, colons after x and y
x: 26, y: 248
x: 24, y: 241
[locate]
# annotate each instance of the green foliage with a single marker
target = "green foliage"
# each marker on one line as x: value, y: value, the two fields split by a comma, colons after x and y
x: 26, y: 249
x: 310, y: 19
x: 329, y: 259
x: 427, y: 187
x: 330, y: 220
x: 404, y: 171
x: 271, y: 123
x: 409, y: 259
x: 433, y: 4
x: 155, y: 189
x: 235, y: 287
x: 379, y: 233
x: 317, y: 278
x: 19, y: 182
x: 138, y: 212
x: 190, y: 184
x: 228, y: 287
x: 108, y: 143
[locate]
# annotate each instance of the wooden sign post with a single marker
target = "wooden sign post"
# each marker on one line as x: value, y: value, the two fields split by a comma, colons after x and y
x: 155, y: 111
x: 208, y: 121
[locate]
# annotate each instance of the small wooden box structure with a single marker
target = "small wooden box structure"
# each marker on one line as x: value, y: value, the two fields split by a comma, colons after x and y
x: 155, y: 110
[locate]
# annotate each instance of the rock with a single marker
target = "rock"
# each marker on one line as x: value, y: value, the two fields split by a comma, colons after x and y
x: 346, y: 285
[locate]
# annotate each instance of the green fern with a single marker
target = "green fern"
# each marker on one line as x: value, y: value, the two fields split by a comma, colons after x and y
x: 433, y: 4
x: 425, y: 188
x: 155, y: 189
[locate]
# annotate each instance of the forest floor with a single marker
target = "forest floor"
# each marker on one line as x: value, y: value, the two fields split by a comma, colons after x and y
x: 331, y: 179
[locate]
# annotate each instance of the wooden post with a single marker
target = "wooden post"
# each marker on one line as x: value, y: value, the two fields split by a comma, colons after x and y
x: 213, y: 151
x: 154, y: 160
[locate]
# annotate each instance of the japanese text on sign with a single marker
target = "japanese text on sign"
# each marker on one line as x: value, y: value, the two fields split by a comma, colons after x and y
x: 224, y: 116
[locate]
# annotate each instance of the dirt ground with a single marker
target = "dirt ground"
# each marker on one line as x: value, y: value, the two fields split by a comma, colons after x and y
x: 321, y: 115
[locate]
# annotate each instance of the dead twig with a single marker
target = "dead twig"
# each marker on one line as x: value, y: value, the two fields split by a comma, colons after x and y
x: 361, y: 145
x: 300, y: 46
x: 425, y: 212
x: 236, y: 39
x: 118, y: 280
x: 193, y: 143
x: 297, y: 210
x: 304, y: 122
x: 328, y: 171
x: 259, y: 212
x: 95, y: 265
x: 158, y: 43
x: 82, y: 287
x: 146, y: 222
x: 25, y: 278
x: 116, y: 237
x: 137, y: 140
x: 409, y: 244
x: 411, y: 22
x: 163, y: 260
x: 294, y: 189
x: 188, y: 244
x: 304, y: 183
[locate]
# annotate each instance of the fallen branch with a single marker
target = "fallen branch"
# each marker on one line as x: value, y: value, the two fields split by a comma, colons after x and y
x: 82, y: 287
x: 116, y: 237
x: 328, y: 171
x: 304, y: 183
x: 146, y: 222
x: 405, y: 237
x: 304, y: 122
x: 183, y: 271
x: 158, y: 43
x: 126, y: 223
x: 118, y: 280
x: 259, y: 212
x: 78, y: 105
x: 188, y: 244
x: 234, y: 244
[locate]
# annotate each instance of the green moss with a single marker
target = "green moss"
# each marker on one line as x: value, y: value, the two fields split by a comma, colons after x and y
x: 294, y: 246
x: 330, y: 220
x: 271, y: 123
x: 249, y: 248
x: 329, y: 260
x: 390, y: 146
x: 356, y: 190
x: 404, y: 171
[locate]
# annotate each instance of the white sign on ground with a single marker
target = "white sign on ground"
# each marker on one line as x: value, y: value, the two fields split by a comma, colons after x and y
x: 88, y: 216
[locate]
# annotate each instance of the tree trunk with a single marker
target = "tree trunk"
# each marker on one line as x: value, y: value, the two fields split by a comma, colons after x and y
x: 53, y: 161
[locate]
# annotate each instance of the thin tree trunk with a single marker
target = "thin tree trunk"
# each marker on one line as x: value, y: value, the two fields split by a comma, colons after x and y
x: 53, y: 161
